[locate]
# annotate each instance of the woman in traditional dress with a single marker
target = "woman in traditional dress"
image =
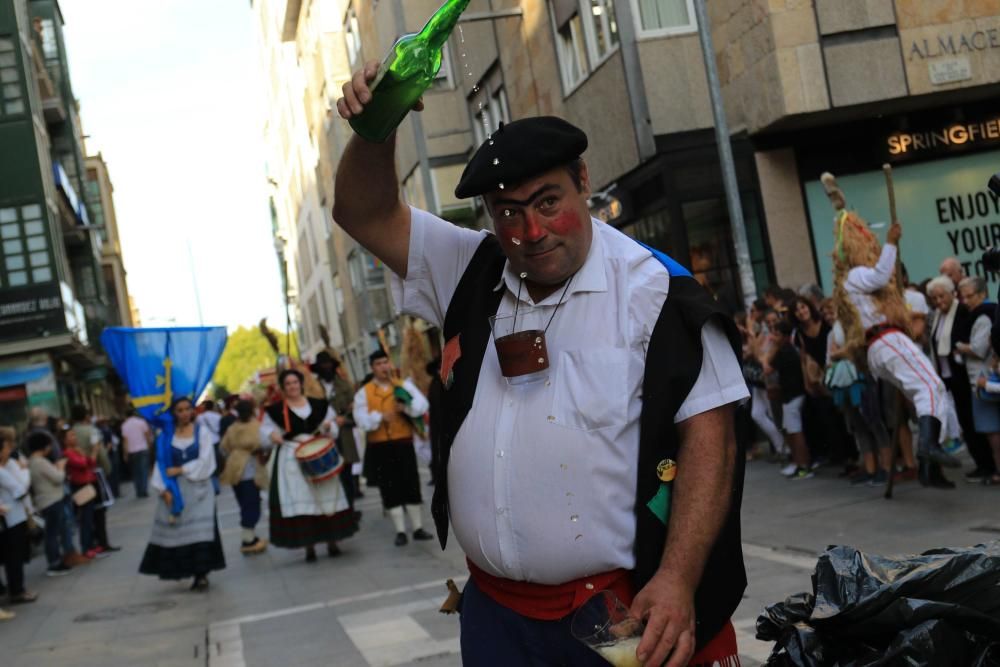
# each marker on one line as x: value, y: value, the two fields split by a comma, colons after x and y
x: 302, y: 513
x: 187, y: 544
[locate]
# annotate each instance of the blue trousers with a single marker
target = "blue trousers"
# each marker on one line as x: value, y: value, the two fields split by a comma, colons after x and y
x: 494, y: 636
x: 68, y: 524
x: 54, y: 516
x: 139, y: 464
x: 248, y: 497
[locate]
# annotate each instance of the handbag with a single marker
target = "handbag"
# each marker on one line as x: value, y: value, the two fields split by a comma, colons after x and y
x: 84, y: 495
x: 989, y: 396
x: 104, y: 495
x: 753, y: 372
x: 813, y: 377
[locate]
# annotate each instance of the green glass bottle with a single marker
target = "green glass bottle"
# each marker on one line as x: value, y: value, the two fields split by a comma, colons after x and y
x: 406, y: 72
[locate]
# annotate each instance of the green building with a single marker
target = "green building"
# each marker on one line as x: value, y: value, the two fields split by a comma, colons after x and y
x: 53, y: 297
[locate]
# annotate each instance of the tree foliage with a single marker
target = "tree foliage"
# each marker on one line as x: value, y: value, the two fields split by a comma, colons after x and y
x: 247, y: 352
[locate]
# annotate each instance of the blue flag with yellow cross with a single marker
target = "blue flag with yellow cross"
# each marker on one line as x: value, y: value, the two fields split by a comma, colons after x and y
x: 160, y: 365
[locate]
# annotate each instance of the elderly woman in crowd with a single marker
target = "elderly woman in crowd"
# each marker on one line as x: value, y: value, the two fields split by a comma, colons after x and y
x: 949, y: 326
x: 974, y: 345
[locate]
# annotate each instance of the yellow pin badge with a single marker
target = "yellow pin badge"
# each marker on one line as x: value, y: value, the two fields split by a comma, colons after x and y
x: 659, y: 505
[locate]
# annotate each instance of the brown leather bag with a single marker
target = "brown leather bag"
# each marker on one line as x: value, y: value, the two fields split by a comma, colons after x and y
x: 812, y: 374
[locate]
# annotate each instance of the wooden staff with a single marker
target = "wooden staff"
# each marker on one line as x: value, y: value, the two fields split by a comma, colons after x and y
x: 891, y: 189
x: 898, y: 398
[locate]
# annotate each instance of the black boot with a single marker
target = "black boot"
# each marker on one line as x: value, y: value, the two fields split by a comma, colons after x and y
x: 937, y: 478
x: 928, y: 446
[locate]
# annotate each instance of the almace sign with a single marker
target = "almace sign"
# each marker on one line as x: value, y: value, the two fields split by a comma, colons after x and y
x: 955, y: 44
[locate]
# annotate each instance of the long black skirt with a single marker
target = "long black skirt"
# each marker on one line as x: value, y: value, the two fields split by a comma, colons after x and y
x: 184, y: 562
x: 394, y: 464
x: 295, y: 532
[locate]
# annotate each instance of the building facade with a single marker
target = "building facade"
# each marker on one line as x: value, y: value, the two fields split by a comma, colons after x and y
x: 332, y: 282
x: 849, y: 86
x: 100, y: 198
x: 808, y: 86
x: 53, y: 295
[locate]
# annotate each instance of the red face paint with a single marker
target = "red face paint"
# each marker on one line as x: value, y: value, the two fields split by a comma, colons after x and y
x: 566, y: 223
x: 507, y: 233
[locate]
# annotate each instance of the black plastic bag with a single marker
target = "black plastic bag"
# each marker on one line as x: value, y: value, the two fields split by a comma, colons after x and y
x: 941, y: 607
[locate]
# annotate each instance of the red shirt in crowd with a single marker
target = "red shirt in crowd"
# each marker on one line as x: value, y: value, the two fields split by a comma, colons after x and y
x: 80, y: 468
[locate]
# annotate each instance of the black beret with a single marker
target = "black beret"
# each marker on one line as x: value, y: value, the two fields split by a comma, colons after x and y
x: 518, y: 151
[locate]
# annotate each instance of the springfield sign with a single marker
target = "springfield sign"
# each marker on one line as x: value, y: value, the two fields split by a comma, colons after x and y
x: 905, y: 144
x: 944, y: 206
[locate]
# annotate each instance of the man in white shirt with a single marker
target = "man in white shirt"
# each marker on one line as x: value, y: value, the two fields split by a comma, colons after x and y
x: 138, y: 438
x: 387, y: 411
x: 549, y: 480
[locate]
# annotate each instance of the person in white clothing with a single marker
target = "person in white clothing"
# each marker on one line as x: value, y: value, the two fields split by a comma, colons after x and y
x: 390, y: 412
x: 873, y: 313
x: 545, y: 473
x: 15, y: 550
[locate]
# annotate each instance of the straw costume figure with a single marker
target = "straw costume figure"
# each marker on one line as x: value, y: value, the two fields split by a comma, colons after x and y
x: 871, y: 309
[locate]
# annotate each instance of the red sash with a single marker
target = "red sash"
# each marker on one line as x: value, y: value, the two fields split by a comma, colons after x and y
x: 544, y: 602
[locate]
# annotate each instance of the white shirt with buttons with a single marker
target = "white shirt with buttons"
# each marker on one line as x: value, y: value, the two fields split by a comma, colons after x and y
x: 542, y: 477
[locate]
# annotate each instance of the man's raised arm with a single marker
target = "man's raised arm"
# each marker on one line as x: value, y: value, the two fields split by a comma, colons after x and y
x: 366, y: 192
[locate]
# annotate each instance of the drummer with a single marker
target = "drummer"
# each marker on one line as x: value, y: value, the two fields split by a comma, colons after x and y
x: 302, y: 513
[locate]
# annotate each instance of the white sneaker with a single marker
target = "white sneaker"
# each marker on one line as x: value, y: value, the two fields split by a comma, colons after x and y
x: 789, y: 470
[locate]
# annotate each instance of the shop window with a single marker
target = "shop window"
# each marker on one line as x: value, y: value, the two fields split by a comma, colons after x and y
x: 657, y: 18
x: 11, y: 98
x: 710, y: 245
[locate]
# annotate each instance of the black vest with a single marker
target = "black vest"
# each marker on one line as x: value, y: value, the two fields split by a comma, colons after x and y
x: 673, y: 362
x: 298, y: 426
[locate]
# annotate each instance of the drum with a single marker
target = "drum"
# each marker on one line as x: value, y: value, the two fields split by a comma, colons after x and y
x: 319, y: 459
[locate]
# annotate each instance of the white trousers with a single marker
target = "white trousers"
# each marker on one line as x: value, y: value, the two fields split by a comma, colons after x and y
x: 760, y: 411
x: 896, y: 358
